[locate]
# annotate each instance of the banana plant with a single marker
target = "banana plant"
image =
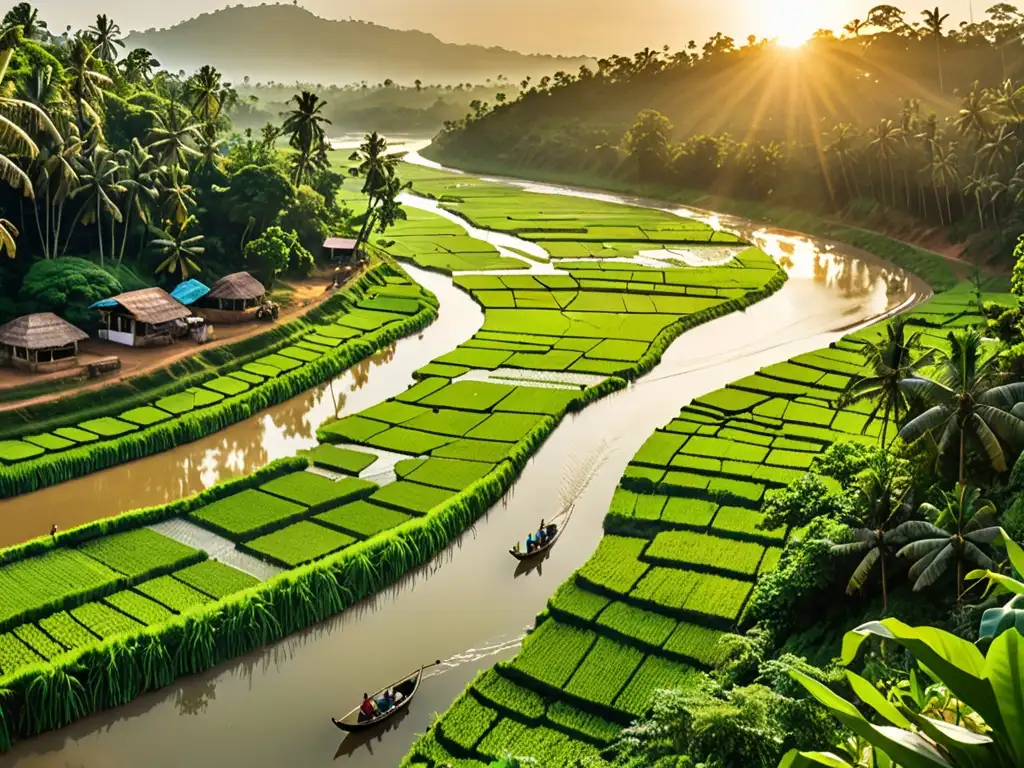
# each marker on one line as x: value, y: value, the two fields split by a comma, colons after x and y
x: 987, y: 688
x: 995, y: 621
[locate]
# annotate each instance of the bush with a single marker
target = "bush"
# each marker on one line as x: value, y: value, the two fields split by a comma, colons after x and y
x: 67, y: 287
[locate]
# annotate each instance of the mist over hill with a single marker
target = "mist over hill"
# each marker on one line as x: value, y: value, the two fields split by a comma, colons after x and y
x: 285, y: 44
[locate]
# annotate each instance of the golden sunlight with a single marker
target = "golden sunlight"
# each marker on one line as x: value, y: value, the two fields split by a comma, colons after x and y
x: 792, y: 22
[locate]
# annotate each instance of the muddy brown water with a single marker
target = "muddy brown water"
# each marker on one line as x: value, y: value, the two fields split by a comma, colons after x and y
x: 472, y: 604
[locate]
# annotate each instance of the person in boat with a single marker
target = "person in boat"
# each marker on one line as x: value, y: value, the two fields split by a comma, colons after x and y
x: 530, y: 544
x: 551, y: 530
x: 542, y: 534
x: 368, y: 709
x: 385, y: 702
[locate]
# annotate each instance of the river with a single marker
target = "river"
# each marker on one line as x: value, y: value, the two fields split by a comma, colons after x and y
x: 472, y: 604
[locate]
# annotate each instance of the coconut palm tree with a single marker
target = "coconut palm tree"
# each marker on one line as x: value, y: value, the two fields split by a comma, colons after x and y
x: 56, y: 177
x: 965, y: 403
x: 99, y: 174
x: 963, y: 524
x: 891, y: 361
x: 304, y: 125
x: 140, y: 174
x: 177, y: 194
x: 204, y: 89
x: 85, y: 84
x: 378, y: 169
x: 933, y: 22
x: 179, y: 250
x: 171, y: 138
x: 885, y: 145
x: 842, y: 147
x: 25, y: 16
x: 20, y: 121
x: 881, y: 493
x: 945, y: 173
x: 107, y: 37
x: 975, y: 118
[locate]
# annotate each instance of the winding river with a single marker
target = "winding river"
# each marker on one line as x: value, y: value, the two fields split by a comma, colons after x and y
x: 471, y: 605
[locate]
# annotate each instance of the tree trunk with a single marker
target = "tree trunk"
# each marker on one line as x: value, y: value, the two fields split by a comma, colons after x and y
x: 938, y: 56
x: 938, y: 206
x: 949, y: 208
x: 124, y: 235
x: 885, y: 589
x: 981, y: 211
x: 963, y: 455
x: 99, y: 228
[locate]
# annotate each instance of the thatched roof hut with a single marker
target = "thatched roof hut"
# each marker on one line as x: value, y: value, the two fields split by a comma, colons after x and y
x: 238, y: 286
x: 41, y: 342
x: 141, y: 318
x: 234, y: 298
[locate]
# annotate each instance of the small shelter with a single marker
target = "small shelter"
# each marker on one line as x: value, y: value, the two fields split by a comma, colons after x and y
x: 41, y: 343
x: 234, y: 298
x: 144, y: 318
x: 339, y: 248
x: 189, y: 292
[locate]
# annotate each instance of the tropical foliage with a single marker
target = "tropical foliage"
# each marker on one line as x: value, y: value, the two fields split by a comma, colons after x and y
x: 106, y: 156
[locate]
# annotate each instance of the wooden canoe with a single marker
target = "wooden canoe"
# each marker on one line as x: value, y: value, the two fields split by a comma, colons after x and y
x: 521, y: 556
x: 407, y: 686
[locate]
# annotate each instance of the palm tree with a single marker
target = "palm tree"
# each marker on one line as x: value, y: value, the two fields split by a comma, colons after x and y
x: 885, y: 146
x: 25, y: 16
x: 42, y: 90
x: 19, y: 120
x: 842, y: 148
x: 881, y: 492
x: 945, y: 173
x: 85, y: 85
x: 975, y: 117
x: 204, y: 88
x: 56, y: 178
x: 377, y: 169
x: 999, y: 150
x: 304, y: 124
x: 170, y: 139
x: 933, y: 22
x: 107, y: 37
x: 177, y: 194
x: 99, y: 174
x: 964, y: 401
x: 140, y: 174
x: 180, y: 251
x: 891, y: 361
x: 964, y: 522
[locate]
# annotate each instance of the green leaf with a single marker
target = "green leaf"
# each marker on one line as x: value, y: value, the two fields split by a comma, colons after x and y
x: 1016, y: 553
x: 795, y: 759
x: 958, y: 663
x: 908, y: 749
x: 870, y: 695
x: 968, y: 750
x: 998, y: 579
x: 995, y: 621
x: 1004, y: 670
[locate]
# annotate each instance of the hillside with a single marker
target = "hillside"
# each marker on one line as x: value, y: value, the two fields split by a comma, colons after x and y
x: 239, y: 42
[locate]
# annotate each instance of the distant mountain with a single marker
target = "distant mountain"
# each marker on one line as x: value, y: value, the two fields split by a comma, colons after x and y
x: 285, y: 44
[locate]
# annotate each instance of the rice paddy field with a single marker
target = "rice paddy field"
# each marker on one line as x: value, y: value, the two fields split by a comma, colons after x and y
x: 389, y: 487
x: 42, y: 448
x: 680, y: 556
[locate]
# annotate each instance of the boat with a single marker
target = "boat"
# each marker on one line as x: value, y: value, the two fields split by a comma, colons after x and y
x: 521, y: 556
x: 407, y: 686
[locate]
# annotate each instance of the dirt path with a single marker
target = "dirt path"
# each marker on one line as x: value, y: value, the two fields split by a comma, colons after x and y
x: 306, y: 295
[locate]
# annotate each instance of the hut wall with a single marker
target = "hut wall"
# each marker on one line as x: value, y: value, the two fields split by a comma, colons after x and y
x: 43, y: 360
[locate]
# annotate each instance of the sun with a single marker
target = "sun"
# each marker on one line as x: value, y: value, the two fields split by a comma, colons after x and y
x: 793, y: 22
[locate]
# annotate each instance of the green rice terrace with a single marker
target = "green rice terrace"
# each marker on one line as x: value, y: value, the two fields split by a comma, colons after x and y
x: 579, y: 298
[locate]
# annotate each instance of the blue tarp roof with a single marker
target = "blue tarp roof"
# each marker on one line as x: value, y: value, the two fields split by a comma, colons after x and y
x: 103, y: 304
x: 189, y: 292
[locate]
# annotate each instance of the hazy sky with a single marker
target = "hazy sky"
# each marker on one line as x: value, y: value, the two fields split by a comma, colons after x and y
x: 553, y: 26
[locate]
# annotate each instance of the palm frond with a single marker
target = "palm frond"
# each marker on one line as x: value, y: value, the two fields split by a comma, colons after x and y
x: 934, y: 571
x: 928, y: 421
x: 863, y: 571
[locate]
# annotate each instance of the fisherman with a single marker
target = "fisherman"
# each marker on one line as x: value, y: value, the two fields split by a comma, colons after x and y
x: 368, y: 709
x: 53, y: 530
